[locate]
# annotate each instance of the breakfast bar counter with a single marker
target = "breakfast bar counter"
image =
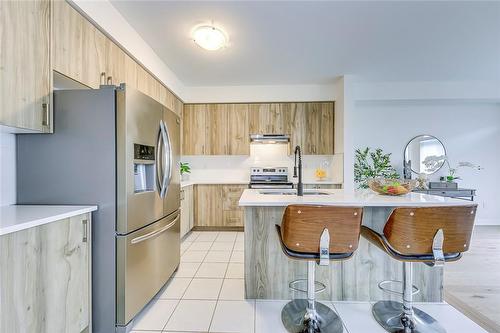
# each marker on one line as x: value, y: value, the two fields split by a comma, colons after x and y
x: 268, y: 271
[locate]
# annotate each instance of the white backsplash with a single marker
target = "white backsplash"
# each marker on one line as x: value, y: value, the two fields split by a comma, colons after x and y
x: 237, y: 168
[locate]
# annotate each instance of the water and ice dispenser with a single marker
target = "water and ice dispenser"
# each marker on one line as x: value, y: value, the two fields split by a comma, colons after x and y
x: 144, y: 168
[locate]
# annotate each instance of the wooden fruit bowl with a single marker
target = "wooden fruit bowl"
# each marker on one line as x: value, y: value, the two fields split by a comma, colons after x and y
x: 392, y: 187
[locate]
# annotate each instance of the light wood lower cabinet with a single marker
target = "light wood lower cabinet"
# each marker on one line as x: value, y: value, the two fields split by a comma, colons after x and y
x: 187, y: 210
x: 25, y: 65
x: 216, y: 206
x: 45, y: 278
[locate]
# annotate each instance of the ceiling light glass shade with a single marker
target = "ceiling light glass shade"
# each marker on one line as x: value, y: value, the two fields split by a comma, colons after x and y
x: 210, y: 38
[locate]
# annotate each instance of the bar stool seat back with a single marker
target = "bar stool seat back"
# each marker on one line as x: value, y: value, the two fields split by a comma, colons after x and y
x: 411, y: 231
x: 302, y: 226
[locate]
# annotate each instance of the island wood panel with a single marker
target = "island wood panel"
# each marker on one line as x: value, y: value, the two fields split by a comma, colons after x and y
x: 238, y: 137
x: 193, y: 129
x: 25, y: 64
x: 216, y: 129
x: 268, y: 271
x: 44, y: 280
x: 208, y: 205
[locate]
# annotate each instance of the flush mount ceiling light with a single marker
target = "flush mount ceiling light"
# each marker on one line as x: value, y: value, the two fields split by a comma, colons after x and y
x: 209, y: 37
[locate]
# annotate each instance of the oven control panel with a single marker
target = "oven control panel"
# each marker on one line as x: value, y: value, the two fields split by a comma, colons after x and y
x: 269, y: 171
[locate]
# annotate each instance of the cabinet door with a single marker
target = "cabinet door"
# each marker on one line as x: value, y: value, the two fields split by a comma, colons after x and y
x: 312, y: 126
x: 295, y: 120
x: 275, y: 118
x: 193, y: 129
x: 232, y: 213
x: 325, y: 142
x: 25, y: 64
x: 130, y: 72
x: 238, y: 137
x: 257, y: 116
x: 115, y: 63
x: 79, y: 48
x: 319, y: 129
x: 216, y: 130
x: 208, y: 205
x: 45, y: 277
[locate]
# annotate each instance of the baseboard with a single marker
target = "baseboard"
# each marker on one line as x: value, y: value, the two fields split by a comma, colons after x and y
x: 483, y: 221
x: 198, y: 228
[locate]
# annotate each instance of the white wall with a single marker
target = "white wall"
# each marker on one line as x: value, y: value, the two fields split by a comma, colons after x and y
x: 7, y: 169
x: 470, y: 131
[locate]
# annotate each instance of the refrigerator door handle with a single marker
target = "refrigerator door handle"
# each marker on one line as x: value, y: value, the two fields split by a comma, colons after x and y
x: 166, y: 159
x: 157, y: 162
x: 154, y: 233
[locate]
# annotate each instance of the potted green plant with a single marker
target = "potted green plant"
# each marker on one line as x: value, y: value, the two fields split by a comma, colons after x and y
x: 185, y: 171
x: 372, y: 164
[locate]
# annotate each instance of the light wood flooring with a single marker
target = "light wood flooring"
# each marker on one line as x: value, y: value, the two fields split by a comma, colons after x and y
x: 472, y: 284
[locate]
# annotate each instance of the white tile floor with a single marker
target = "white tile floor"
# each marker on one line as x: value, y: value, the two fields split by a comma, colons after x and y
x: 206, y: 294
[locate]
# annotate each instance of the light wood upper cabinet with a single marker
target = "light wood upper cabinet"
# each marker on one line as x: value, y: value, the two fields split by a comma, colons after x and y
x: 216, y: 129
x: 25, y: 64
x: 79, y: 48
x: 238, y: 138
x: 295, y: 120
x: 319, y: 129
x: 193, y: 129
x: 257, y: 116
x: 229, y: 126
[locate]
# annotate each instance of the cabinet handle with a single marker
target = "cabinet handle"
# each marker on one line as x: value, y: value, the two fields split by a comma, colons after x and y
x: 103, y: 78
x: 85, y: 231
x: 45, y: 114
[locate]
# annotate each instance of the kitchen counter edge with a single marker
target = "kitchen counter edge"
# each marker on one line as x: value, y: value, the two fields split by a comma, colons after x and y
x: 15, y: 218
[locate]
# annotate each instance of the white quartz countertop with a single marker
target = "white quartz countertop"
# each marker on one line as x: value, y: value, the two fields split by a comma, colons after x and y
x: 19, y: 217
x: 363, y: 198
x: 246, y: 181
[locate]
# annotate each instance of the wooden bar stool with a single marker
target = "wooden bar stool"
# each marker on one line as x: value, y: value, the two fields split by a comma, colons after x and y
x: 316, y: 234
x: 431, y: 235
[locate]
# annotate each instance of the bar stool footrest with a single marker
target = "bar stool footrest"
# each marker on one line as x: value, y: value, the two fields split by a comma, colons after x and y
x: 384, y: 286
x: 295, y: 286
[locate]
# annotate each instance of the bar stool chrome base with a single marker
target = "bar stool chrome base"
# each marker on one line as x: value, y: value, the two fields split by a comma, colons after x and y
x: 389, y: 314
x: 296, y: 319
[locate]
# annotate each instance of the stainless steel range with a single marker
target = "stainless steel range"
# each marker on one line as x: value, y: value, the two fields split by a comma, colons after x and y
x: 269, y: 177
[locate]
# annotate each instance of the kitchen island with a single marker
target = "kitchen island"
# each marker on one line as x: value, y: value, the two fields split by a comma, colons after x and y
x: 268, y: 271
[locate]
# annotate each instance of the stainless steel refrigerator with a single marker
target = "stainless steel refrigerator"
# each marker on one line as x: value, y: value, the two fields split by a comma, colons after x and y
x: 119, y: 149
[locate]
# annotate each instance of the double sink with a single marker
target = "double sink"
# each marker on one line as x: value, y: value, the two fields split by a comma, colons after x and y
x: 292, y: 192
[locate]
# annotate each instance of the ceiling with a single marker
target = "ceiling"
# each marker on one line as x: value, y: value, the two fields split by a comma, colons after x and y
x: 295, y: 42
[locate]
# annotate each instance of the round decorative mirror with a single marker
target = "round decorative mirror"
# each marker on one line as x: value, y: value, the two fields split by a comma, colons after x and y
x: 425, y: 154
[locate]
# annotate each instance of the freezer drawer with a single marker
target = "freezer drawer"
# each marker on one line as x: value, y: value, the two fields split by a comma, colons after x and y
x: 145, y: 261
